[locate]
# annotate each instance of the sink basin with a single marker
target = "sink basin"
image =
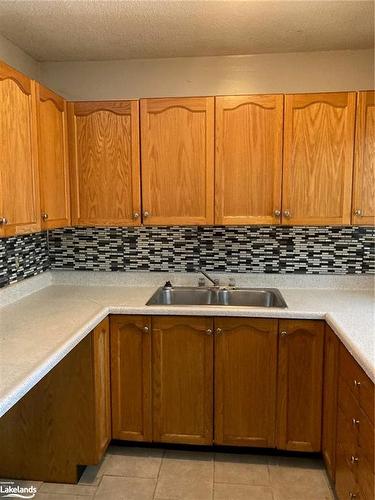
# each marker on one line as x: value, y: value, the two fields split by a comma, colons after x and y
x: 193, y: 296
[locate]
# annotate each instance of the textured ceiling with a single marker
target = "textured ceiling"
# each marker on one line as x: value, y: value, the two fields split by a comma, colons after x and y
x: 57, y: 30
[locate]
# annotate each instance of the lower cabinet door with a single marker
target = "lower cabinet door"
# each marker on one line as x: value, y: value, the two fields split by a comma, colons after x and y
x: 102, y: 384
x: 245, y: 381
x: 131, y: 378
x: 182, y: 372
x: 300, y: 377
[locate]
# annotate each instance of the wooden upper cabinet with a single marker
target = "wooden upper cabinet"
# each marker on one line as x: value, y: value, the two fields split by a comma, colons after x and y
x: 19, y: 180
x: 182, y: 378
x: 177, y: 138
x: 364, y: 164
x: 104, y: 156
x: 248, y: 162
x: 53, y: 159
x: 318, y: 158
x: 245, y: 381
x: 131, y: 377
x: 300, y: 377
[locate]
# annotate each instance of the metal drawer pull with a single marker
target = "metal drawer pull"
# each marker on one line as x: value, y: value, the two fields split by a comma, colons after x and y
x: 3, y: 220
x: 219, y: 331
x: 352, y: 495
x: 209, y: 331
x: 355, y: 422
x: 146, y: 329
x: 276, y: 213
x: 283, y: 333
x: 357, y: 383
x: 354, y: 460
x: 44, y: 216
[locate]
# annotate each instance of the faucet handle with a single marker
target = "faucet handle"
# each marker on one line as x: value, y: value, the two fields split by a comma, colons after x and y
x: 201, y: 282
x: 216, y: 282
x: 232, y: 282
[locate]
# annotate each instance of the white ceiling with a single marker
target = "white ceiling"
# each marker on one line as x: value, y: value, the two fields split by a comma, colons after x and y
x: 83, y: 30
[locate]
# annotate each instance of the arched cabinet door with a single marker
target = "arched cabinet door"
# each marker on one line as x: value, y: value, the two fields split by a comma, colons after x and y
x: 364, y: 164
x: 53, y: 159
x: 104, y: 157
x: 248, y: 159
x: 318, y: 158
x: 19, y: 181
x: 177, y: 160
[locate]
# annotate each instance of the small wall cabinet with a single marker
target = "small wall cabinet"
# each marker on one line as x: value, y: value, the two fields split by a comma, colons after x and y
x: 364, y: 164
x: 248, y: 161
x: 104, y: 158
x: 177, y: 138
x: 19, y: 181
x: 318, y: 158
x: 53, y: 159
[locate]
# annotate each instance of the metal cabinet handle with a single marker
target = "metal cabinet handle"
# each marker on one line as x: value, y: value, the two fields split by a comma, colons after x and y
x: 283, y: 333
x: 358, y: 212
x: 352, y: 495
x: 44, y: 216
x: 209, y: 331
x: 219, y: 331
x: 146, y: 329
x: 146, y: 214
x: 354, y: 460
x: 357, y: 384
x: 3, y: 220
x: 287, y: 214
x: 276, y: 213
x: 355, y: 422
x: 135, y: 215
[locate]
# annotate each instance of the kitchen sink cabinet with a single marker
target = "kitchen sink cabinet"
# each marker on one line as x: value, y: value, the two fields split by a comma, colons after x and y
x: 300, y: 382
x: 182, y: 379
x: 245, y: 381
x: 331, y: 360
x: 318, y: 158
x: 62, y: 422
x: 53, y: 159
x: 19, y: 179
x: 104, y: 158
x: 364, y: 164
x: 177, y: 141
x: 248, y: 159
x: 131, y: 377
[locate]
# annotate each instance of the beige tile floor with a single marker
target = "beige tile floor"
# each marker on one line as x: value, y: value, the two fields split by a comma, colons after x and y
x: 151, y: 474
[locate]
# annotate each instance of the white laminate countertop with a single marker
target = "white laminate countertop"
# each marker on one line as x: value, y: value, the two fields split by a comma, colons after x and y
x: 44, y: 318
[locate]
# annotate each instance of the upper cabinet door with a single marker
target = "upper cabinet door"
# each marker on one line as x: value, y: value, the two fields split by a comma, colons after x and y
x: 364, y: 165
x: 318, y: 158
x: 104, y: 154
x: 53, y: 159
x: 249, y: 136
x: 177, y: 160
x: 19, y: 182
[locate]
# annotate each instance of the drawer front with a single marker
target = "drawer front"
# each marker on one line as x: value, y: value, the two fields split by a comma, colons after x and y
x: 359, y: 383
x: 347, y: 441
x: 346, y: 485
x: 365, y: 478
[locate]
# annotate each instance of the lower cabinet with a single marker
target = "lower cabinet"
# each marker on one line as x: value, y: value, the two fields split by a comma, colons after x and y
x: 231, y: 381
x: 131, y: 377
x: 182, y: 379
x: 245, y: 381
x: 63, y: 421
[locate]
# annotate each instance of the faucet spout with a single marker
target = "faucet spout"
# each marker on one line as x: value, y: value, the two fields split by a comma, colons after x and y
x: 214, y: 281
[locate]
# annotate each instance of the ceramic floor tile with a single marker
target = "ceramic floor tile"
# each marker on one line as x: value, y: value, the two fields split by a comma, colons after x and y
x: 241, y: 469
x: 224, y: 491
x: 67, y: 489
x: 125, y: 488
x: 199, y: 465
x: 91, y: 475
x: 131, y: 462
x: 182, y: 487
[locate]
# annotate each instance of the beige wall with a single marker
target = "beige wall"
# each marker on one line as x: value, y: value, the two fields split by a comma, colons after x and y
x: 295, y: 72
x: 18, y: 59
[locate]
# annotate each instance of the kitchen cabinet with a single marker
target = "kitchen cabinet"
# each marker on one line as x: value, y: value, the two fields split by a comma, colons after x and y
x: 19, y: 180
x: 62, y: 422
x: 318, y: 158
x: 131, y: 377
x: 248, y: 161
x: 364, y: 164
x: 245, y: 381
x: 300, y: 377
x: 331, y: 360
x: 177, y: 140
x: 355, y: 431
x: 104, y: 157
x: 53, y: 159
x: 182, y: 379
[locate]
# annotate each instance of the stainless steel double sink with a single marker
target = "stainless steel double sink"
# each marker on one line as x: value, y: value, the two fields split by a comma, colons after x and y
x: 217, y: 296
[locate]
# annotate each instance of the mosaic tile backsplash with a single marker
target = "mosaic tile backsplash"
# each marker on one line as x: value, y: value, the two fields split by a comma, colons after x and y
x: 263, y: 249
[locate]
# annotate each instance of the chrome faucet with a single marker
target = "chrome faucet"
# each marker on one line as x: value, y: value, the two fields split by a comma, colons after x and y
x: 214, y: 281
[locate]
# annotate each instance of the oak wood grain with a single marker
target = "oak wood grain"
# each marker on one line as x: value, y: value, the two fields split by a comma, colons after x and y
x: 248, y: 159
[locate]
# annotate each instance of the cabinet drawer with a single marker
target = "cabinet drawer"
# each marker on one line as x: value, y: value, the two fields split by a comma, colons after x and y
x: 365, y: 478
x: 347, y: 440
x: 359, y: 383
x: 346, y: 485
